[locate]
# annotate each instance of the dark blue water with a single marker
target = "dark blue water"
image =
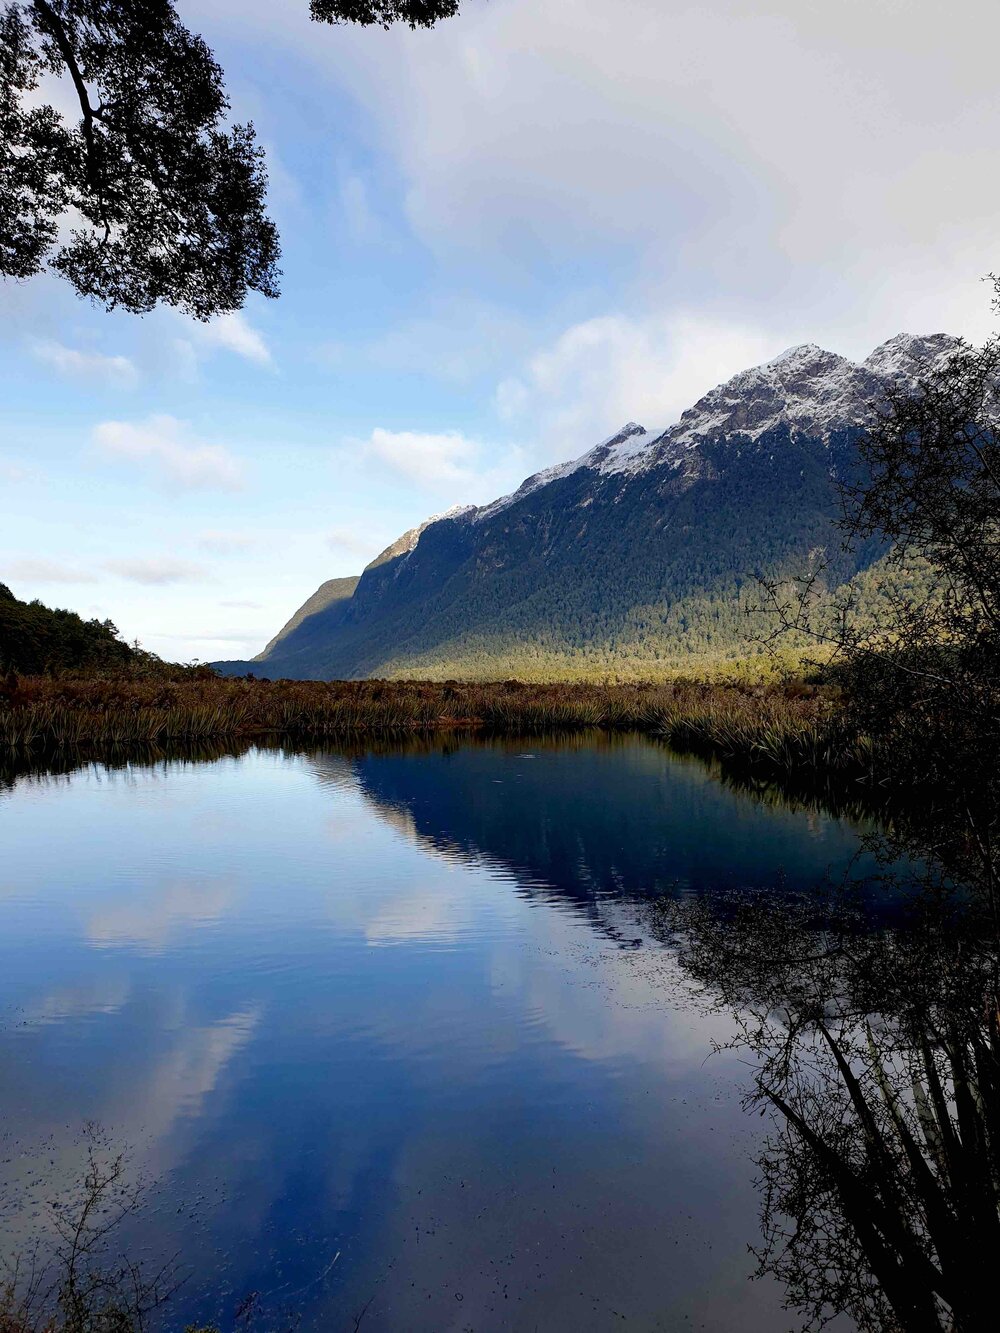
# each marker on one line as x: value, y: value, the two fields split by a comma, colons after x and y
x: 384, y: 1033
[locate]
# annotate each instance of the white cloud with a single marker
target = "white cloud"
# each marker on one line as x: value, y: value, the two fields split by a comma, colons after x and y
x: 436, y: 914
x: 164, y: 445
x: 70, y: 361
x: 210, y: 638
x: 233, y: 332
x: 14, y: 472
x: 193, y: 647
x: 605, y: 371
x: 355, y: 211
x: 429, y: 460
x: 155, y: 573
x: 455, y: 341
x: 45, y: 571
x: 449, y: 465
x: 185, y: 359
x: 149, y: 920
x: 511, y: 399
x: 785, y: 158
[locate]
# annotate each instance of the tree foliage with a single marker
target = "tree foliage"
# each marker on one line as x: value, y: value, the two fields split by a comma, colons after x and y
x: 416, y: 13
x: 150, y: 196
x: 923, y: 675
x: 878, y: 1047
x: 36, y: 639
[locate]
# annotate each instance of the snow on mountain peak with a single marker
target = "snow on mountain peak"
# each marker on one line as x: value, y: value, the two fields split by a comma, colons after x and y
x: 456, y: 511
x: 800, y: 355
x: 408, y: 541
x: 808, y: 389
x: 618, y: 453
x: 907, y: 353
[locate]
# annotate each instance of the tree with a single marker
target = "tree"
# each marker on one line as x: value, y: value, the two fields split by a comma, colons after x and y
x: 878, y: 1042
x: 930, y: 484
x: 72, y: 1279
x: 35, y: 639
x: 161, y: 199
x: 922, y: 674
x: 416, y: 13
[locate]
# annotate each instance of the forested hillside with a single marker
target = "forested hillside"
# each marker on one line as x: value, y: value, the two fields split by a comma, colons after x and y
x: 332, y: 593
x: 35, y: 639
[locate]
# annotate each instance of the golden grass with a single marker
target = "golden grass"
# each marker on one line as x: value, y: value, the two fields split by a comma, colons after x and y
x: 770, y: 726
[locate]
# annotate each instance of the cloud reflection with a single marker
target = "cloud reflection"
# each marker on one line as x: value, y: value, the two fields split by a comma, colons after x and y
x: 152, y: 917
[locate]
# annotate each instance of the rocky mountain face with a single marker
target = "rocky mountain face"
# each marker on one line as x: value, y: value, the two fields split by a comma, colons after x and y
x: 641, y: 554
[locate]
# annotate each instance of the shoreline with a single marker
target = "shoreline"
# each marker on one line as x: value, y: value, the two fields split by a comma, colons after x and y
x: 773, y: 729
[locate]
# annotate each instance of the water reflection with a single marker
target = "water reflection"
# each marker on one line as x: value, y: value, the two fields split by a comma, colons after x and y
x: 879, y: 1052
x: 875, y: 1031
x: 596, y: 820
x: 400, y: 1004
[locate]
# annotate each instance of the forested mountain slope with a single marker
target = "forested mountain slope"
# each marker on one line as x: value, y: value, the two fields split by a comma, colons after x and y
x: 332, y: 593
x: 643, y: 554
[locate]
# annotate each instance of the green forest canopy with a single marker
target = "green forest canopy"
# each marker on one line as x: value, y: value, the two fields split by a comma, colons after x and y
x: 35, y: 639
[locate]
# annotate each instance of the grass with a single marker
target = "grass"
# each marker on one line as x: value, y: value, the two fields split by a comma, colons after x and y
x: 776, y: 727
x: 771, y: 737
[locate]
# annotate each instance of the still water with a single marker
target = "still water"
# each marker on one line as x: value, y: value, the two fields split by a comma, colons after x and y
x: 384, y: 1032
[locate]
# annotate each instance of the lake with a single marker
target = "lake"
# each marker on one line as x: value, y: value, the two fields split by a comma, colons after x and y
x: 385, y: 1034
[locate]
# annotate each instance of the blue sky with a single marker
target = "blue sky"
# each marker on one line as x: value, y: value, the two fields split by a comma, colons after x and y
x: 502, y: 239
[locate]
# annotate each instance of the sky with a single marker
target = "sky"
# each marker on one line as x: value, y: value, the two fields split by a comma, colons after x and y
x: 503, y: 238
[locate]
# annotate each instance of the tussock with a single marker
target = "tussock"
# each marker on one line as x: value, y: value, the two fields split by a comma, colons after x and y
x: 771, y: 727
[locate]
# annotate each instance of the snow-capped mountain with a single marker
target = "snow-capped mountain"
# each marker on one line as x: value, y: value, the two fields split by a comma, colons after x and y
x: 812, y: 391
x: 636, y: 554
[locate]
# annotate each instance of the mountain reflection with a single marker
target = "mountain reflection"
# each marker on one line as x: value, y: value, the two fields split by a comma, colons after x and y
x: 875, y: 1034
x: 593, y: 820
x: 869, y: 1015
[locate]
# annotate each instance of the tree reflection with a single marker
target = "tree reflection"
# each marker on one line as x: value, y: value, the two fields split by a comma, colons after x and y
x: 70, y: 1278
x: 879, y: 1052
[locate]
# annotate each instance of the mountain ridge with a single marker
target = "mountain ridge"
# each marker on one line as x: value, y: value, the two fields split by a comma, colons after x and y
x: 328, y: 594
x: 637, y: 554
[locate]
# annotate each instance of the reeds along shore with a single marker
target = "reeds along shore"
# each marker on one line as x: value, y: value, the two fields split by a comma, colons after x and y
x: 785, y: 727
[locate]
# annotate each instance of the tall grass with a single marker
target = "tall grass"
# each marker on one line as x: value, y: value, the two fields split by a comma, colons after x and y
x: 772, y: 738
x: 775, y: 728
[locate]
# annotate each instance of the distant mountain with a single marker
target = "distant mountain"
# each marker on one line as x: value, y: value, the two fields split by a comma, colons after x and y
x: 328, y: 596
x: 642, y: 554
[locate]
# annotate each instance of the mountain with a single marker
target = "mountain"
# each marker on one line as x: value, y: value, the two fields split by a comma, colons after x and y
x: 641, y: 555
x: 333, y: 596
x: 327, y: 597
